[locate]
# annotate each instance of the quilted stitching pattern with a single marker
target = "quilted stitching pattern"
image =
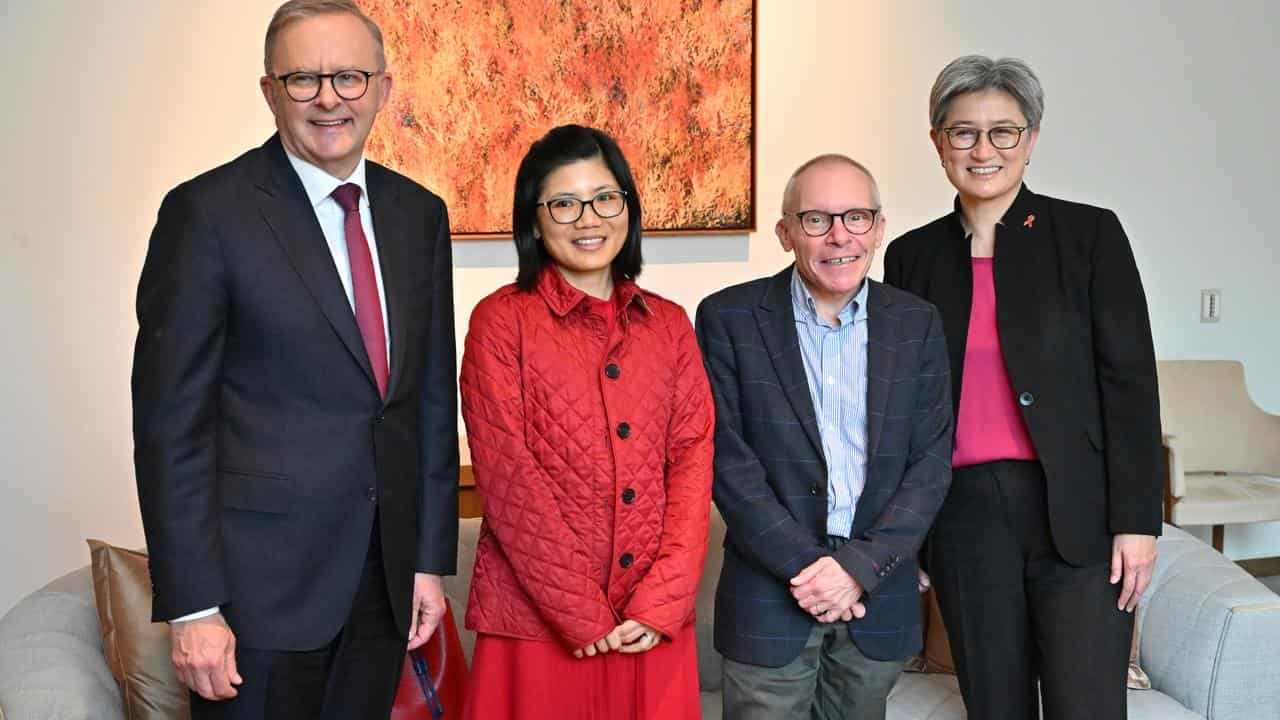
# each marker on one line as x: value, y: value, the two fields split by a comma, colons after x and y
x: 543, y: 422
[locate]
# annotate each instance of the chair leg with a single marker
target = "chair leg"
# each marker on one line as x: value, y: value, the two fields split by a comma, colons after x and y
x: 1218, y: 537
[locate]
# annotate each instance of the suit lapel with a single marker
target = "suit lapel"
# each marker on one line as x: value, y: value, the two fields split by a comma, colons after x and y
x: 776, y: 322
x: 391, y: 234
x: 284, y: 205
x: 882, y: 343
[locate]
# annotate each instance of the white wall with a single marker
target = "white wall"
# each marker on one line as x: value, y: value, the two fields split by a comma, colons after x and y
x: 1160, y: 110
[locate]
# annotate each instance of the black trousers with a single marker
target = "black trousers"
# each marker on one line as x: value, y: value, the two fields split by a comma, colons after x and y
x: 1016, y: 612
x: 354, y: 676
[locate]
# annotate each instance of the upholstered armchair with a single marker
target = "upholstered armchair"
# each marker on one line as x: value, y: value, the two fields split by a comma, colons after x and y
x: 1223, y: 450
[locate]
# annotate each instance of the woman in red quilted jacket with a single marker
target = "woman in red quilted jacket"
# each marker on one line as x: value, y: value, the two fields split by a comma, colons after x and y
x: 590, y: 422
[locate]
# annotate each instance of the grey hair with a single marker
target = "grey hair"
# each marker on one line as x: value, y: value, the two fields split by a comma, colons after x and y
x: 972, y: 73
x: 789, y: 193
x: 296, y: 10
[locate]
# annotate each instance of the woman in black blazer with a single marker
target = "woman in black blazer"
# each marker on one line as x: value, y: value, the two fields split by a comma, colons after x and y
x: 1047, y: 537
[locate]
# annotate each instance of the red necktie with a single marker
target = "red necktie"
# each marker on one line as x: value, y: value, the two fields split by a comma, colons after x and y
x: 364, y: 284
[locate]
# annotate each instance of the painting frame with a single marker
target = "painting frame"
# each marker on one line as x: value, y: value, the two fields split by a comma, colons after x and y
x: 451, y: 92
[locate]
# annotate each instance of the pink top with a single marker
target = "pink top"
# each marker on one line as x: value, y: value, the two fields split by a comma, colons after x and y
x: 990, y: 426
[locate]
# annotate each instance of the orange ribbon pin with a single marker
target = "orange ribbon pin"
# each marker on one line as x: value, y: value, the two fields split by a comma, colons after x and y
x: 1031, y: 220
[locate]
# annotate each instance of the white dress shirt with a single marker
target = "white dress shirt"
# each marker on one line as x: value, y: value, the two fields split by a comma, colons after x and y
x: 835, y: 364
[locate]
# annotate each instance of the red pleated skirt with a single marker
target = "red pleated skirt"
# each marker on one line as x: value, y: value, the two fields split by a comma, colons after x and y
x: 535, y: 680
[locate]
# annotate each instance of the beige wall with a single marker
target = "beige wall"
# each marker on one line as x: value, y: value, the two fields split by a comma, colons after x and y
x: 1160, y: 110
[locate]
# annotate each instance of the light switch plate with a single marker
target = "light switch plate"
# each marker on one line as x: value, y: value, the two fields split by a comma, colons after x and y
x: 1210, y: 306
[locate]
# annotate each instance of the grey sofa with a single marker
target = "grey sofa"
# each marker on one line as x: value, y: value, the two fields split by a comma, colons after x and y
x: 1210, y: 642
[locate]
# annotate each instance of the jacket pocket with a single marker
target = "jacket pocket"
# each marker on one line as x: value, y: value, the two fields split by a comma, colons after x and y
x: 258, y: 492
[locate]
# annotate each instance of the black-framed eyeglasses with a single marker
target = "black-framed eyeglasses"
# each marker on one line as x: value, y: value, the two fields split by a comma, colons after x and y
x: 857, y: 221
x: 347, y: 84
x: 1002, y: 137
x: 567, y: 209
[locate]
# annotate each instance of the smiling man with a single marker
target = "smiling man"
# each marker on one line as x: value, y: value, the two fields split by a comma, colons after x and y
x: 295, y: 400
x: 833, y: 446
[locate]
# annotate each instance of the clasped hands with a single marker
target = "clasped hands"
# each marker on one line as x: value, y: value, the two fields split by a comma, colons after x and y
x: 629, y: 637
x: 828, y: 592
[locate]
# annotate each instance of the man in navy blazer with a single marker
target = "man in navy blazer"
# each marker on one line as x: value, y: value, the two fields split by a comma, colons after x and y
x: 833, y: 446
x: 294, y: 399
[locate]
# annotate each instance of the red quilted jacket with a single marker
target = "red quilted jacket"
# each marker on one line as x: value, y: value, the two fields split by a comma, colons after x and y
x: 592, y: 455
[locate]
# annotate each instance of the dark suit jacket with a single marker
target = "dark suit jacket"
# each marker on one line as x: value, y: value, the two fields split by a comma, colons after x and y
x: 1076, y: 339
x: 261, y: 442
x: 771, y: 477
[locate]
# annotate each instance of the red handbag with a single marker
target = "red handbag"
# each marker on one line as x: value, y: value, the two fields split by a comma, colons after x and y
x: 433, y: 684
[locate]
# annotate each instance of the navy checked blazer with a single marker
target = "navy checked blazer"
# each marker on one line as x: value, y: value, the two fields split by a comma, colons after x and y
x: 771, y: 478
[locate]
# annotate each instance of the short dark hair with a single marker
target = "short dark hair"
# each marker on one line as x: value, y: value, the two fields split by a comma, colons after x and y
x: 561, y: 146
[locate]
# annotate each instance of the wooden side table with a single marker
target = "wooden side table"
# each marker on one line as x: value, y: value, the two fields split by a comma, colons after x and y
x: 468, y: 498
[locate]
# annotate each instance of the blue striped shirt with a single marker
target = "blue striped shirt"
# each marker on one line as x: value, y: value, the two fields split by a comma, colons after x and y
x: 835, y: 363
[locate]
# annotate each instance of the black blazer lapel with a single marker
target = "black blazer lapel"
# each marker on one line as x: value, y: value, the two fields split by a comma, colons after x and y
x: 882, y: 344
x: 1023, y: 272
x: 776, y: 322
x: 286, y: 209
x: 391, y: 234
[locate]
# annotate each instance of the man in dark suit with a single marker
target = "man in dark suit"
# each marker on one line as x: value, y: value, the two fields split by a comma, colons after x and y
x: 833, y: 445
x: 295, y: 401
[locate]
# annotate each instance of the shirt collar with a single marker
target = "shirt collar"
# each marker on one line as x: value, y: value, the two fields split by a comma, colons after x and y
x: 807, y: 310
x: 320, y: 184
x: 562, y: 297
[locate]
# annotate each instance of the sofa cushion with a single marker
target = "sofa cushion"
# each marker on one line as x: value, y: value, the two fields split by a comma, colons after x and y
x: 1218, y: 499
x: 710, y: 664
x: 457, y: 588
x: 1150, y: 705
x: 137, y: 650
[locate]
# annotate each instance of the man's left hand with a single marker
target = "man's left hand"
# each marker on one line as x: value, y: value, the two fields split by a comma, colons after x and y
x: 827, y: 592
x: 1132, y: 558
x: 428, y: 608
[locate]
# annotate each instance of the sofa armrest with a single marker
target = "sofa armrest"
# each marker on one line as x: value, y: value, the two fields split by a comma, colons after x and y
x: 1264, y: 443
x: 1210, y: 632
x: 51, y: 662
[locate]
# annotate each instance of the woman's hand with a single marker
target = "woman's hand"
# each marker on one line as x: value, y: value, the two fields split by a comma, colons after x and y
x: 1133, y: 558
x: 612, y: 641
x: 637, y: 637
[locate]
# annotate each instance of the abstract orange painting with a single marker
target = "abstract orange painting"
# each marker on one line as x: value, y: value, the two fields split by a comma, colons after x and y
x: 477, y: 81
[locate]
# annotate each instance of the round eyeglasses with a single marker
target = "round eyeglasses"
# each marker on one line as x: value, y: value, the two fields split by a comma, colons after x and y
x: 347, y: 84
x: 1004, y: 137
x: 857, y: 221
x: 567, y: 209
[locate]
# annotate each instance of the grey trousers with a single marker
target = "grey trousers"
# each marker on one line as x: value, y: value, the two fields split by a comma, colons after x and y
x: 830, y: 680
